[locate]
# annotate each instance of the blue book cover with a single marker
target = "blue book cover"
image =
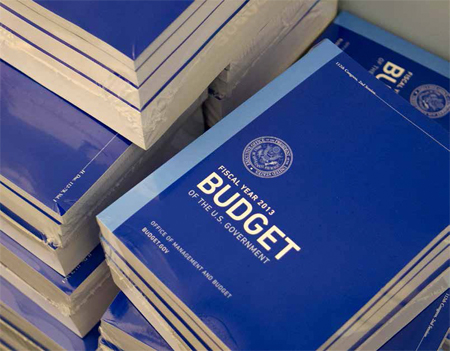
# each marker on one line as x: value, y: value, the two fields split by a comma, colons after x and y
x: 427, y: 331
x: 124, y: 316
x: 128, y: 26
x: 31, y: 313
x: 123, y: 62
x: 66, y: 284
x: 294, y: 211
x: 416, y: 75
x: 52, y: 152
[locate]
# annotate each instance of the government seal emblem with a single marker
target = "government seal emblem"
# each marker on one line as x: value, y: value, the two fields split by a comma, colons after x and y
x: 432, y: 100
x: 267, y: 157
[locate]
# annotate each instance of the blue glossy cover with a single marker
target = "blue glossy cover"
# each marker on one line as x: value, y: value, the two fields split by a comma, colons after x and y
x: 131, y: 41
x: 427, y: 330
x: 344, y: 183
x: 47, y: 324
x: 416, y: 75
x: 128, y: 26
x: 50, y: 149
x: 124, y: 316
x: 66, y: 284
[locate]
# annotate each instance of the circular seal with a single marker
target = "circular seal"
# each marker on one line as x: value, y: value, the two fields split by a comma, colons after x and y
x: 267, y: 157
x: 432, y: 100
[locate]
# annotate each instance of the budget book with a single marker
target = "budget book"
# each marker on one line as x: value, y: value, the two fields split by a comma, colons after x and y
x: 308, y: 218
x: 419, y: 77
x: 138, y: 68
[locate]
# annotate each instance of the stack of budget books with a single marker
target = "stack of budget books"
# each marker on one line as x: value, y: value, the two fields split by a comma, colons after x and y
x: 124, y: 328
x: 136, y: 66
x: 77, y: 300
x: 314, y: 216
x: 27, y: 326
x: 414, y: 74
x: 59, y: 168
x: 276, y: 47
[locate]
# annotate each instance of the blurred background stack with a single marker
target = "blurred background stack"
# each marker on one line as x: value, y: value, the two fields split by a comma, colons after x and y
x: 79, y: 128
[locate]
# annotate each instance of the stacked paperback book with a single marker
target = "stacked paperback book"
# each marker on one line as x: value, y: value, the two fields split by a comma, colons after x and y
x: 76, y: 301
x: 414, y: 74
x: 55, y: 268
x: 124, y: 328
x: 59, y: 168
x: 140, y: 67
x: 314, y: 216
x: 27, y: 326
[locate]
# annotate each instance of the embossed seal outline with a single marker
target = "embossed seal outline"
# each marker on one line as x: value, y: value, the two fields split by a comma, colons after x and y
x: 415, y: 95
x: 286, y: 164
